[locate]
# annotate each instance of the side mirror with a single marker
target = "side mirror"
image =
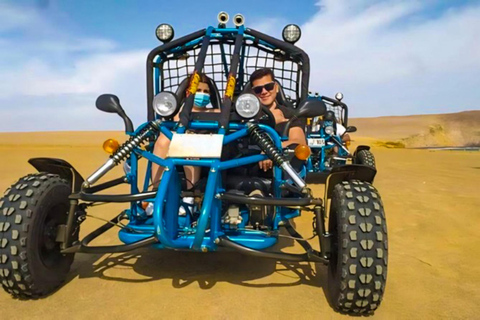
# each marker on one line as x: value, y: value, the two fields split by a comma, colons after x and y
x: 311, y: 108
x: 351, y: 129
x: 111, y: 104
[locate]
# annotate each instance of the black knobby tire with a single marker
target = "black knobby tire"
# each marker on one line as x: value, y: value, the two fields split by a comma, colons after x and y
x: 357, y: 271
x: 366, y: 158
x: 31, y: 264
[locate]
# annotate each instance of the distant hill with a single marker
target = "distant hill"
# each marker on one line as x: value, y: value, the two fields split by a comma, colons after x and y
x: 436, y: 130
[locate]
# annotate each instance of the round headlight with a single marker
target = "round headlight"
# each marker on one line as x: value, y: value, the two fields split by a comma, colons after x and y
x: 291, y: 33
x: 247, y: 105
x: 164, y: 32
x: 165, y: 104
x: 238, y: 20
x: 329, y: 130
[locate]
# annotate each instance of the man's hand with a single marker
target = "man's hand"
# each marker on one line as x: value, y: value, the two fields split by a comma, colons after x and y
x: 265, y: 164
x: 346, y: 137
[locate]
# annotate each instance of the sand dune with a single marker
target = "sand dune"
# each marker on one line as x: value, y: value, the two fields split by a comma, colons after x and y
x: 416, y: 131
x: 59, y: 138
x: 436, y: 130
x: 432, y: 225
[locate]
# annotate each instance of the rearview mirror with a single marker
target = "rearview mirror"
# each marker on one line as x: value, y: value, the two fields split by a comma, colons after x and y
x: 351, y: 129
x: 311, y: 108
x: 111, y: 104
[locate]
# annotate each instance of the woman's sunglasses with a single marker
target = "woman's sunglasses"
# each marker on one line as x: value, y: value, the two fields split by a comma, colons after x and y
x: 269, y: 87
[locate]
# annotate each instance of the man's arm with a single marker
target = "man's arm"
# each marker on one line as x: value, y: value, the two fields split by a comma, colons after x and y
x: 295, y: 135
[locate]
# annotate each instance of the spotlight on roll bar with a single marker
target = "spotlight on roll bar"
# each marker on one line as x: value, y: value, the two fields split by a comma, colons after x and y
x: 164, y: 32
x: 339, y: 96
x: 238, y: 20
x: 222, y: 19
x: 291, y: 33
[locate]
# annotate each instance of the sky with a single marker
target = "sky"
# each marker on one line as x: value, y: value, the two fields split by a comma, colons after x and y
x: 390, y: 57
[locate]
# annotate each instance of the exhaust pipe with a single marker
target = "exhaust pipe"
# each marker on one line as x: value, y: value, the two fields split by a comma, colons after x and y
x: 222, y: 19
x: 238, y: 20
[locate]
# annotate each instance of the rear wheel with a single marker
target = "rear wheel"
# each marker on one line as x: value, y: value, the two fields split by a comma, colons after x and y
x: 31, y: 264
x: 357, y: 271
x: 366, y: 158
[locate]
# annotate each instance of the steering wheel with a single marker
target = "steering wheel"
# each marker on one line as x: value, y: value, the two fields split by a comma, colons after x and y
x: 267, y: 118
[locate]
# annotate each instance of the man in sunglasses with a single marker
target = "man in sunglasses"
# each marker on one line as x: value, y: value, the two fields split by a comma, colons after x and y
x: 266, y: 88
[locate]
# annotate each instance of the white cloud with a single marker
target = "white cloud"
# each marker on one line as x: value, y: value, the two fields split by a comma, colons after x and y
x: 19, y: 18
x: 94, y: 73
x: 389, y: 59
x: 51, y: 81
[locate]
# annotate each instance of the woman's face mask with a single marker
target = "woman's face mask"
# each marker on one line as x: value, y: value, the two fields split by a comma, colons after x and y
x: 202, y: 99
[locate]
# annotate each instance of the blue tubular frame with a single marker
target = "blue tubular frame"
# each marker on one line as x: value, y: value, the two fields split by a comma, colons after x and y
x: 164, y: 224
x: 322, y: 150
x: 196, y: 38
x: 165, y: 214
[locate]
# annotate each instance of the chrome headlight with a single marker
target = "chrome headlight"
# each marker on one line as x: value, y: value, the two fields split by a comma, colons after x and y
x: 339, y: 96
x: 247, y: 105
x: 329, y: 130
x: 164, y: 32
x: 222, y: 17
x: 291, y: 33
x: 165, y: 104
x: 238, y: 20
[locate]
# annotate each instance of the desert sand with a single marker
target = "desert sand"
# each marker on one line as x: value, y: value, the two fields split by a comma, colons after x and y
x: 418, y: 131
x: 432, y: 204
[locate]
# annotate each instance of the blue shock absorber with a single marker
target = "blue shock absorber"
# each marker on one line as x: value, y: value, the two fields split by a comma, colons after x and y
x: 263, y: 140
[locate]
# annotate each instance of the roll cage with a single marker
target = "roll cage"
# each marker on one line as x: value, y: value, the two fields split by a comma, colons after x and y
x: 221, y: 52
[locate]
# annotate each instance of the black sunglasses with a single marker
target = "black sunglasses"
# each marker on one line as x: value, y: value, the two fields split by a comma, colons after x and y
x: 269, y: 87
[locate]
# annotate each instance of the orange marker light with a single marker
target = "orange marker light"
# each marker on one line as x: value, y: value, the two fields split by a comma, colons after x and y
x: 347, y: 143
x: 302, y: 152
x: 110, y: 146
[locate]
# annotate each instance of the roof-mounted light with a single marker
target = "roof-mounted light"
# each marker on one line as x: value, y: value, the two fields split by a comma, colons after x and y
x: 222, y: 19
x: 164, y: 32
x: 291, y: 33
x: 238, y: 20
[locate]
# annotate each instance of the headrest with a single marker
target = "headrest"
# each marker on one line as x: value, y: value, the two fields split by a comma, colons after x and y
x: 281, y: 98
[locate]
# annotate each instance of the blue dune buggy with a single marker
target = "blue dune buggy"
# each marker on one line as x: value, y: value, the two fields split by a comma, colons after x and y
x: 325, y: 138
x: 41, y: 214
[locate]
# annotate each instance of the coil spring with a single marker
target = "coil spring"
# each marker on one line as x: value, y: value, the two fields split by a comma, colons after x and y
x: 126, y: 148
x: 263, y: 140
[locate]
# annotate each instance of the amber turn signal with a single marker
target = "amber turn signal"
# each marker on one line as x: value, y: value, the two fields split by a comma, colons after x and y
x: 110, y: 146
x: 302, y: 152
x: 347, y: 143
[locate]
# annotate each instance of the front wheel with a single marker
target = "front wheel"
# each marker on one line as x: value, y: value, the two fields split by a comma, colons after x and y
x: 31, y: 264
x: 357, y: 271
